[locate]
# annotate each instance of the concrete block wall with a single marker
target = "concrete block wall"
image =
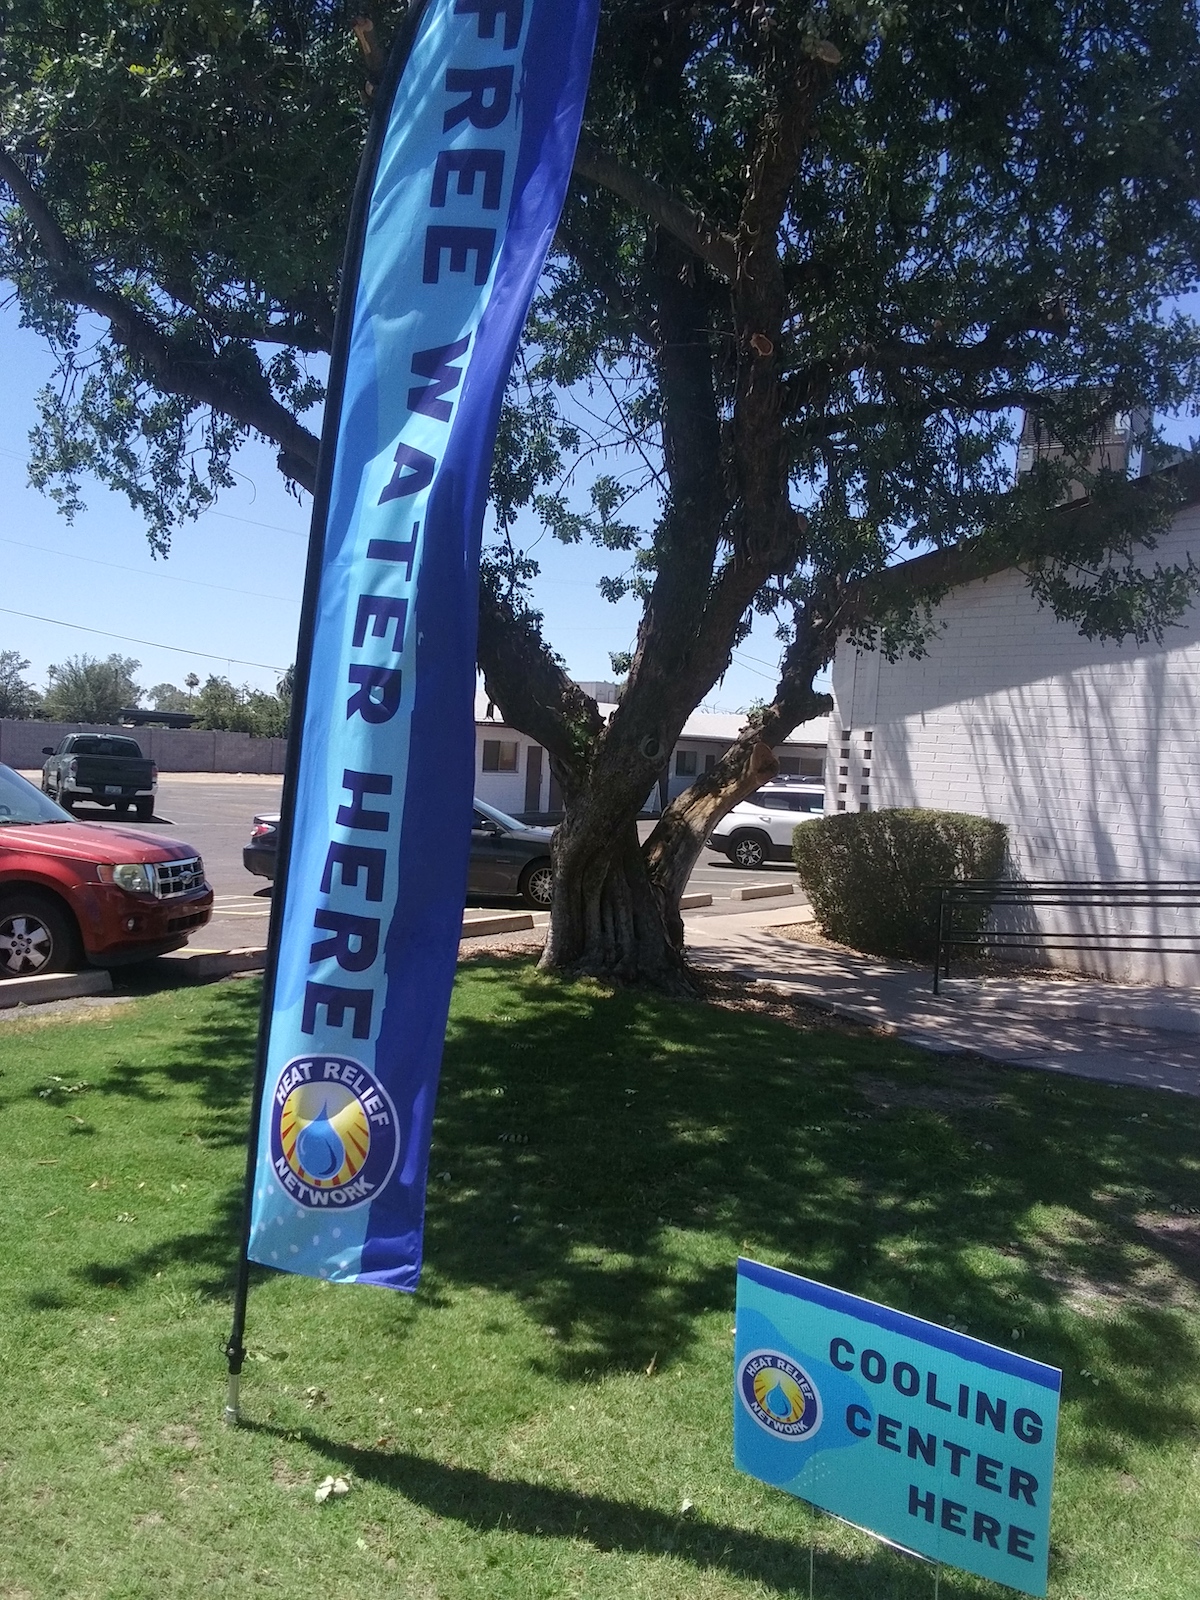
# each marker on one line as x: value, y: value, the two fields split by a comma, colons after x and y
x: 1088, y: 751
x: 174, y: 749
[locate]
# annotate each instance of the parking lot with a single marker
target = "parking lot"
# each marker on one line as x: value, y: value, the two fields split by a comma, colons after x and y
x: 215, y: 811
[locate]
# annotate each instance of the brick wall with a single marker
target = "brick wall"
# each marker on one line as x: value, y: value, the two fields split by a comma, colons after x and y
x: 1090, y: 752
x: 174, y: 749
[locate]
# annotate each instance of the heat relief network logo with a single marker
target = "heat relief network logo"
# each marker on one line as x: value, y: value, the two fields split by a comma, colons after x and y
x: 334, y: 1137
x: 779, y: 1395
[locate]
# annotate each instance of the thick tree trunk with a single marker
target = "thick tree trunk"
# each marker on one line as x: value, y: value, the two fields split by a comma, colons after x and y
x: 607, y: 920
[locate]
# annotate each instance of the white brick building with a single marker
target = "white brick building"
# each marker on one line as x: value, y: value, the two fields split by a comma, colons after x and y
x: 512, y: 772
x: 1090, y: 752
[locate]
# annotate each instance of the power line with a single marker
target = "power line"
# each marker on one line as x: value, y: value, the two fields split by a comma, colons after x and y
x: 744, y: 657
x: 151, y: 572
x: 277, y: 527
x: 152, y: 644
x: 771, y: 677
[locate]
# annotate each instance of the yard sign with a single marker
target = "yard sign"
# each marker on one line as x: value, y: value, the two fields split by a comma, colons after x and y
x: 935, y: 1441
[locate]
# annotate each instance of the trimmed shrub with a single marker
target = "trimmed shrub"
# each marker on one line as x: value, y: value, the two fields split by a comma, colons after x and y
x: 869, y: 874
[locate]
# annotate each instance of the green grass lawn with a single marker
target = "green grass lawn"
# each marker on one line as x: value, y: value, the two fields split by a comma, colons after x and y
x: 534, y: 1422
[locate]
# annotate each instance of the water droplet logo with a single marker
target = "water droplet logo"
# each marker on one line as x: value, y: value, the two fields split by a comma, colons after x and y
x: 784, y: 1405
x: 318, y: 1146
x: 779, y: 1395
x: 334, y: 1136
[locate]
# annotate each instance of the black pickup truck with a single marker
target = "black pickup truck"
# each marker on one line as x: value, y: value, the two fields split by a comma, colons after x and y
x: 104, y: 768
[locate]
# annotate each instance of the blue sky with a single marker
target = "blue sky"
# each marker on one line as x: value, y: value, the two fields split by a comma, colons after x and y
x: 227, y: 599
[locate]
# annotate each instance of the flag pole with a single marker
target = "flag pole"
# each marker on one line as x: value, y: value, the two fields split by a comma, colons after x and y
x: 235, y: 1345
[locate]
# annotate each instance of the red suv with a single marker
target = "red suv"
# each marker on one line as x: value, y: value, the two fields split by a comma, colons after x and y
x: 74, y: 892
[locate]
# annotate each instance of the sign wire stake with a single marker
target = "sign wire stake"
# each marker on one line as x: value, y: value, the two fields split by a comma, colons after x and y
x: 812, y: 1557
x: 937, y: 1581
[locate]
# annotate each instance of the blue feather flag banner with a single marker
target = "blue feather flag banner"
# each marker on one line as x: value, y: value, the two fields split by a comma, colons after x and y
x: 458, y: 199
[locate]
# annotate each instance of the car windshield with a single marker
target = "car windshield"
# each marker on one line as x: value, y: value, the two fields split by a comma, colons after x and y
x: 21, y: 802
x: 500, y: 818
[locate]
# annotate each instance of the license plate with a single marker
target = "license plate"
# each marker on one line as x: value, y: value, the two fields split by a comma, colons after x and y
x: 112, y: 788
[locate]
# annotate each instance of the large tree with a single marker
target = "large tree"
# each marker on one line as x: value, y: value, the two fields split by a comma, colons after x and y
x: 816, y: 258
x: 86, y: 689
x: 18, y: 697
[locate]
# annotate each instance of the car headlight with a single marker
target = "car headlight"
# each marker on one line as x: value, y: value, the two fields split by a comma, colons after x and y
x: 135, y: 877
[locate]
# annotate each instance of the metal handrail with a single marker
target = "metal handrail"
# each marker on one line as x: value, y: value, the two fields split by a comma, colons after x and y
x: 1165, y: 894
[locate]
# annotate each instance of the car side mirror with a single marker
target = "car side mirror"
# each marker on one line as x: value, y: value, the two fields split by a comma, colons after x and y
x: 47, y: 749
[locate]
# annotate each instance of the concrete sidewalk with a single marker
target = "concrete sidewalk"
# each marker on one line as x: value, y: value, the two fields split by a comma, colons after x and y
x: 1149, y: 1037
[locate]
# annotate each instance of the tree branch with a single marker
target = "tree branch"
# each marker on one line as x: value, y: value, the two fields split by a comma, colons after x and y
x: 534, y: 693
x: 203, y: 382
x: 781, y: 139
x: 809, y: 385
x: 650, y: 198
x: 294, y: 329
x: 674, y: 847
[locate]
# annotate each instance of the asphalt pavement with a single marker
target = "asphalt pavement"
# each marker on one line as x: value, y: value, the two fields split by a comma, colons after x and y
x: 215, y: 812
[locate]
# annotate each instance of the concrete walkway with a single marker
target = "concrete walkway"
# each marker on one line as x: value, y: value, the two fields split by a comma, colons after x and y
x: 1148, y: 1037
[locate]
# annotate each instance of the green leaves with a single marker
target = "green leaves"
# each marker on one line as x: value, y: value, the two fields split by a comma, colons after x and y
x: 601, y: 524
x: 86, y: 689
x: 220, y: 704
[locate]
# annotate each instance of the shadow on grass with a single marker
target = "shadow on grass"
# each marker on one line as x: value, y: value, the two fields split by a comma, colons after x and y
x: 602, y: 1158
x: 512, y: 1505
x: 213, y: 1059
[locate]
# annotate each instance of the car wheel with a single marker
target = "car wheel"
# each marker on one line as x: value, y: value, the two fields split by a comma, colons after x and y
x: 66, y: 799
x: 748, y: 850
x: 37, y: 935
x: 537, y: 885
x: 145, y: 810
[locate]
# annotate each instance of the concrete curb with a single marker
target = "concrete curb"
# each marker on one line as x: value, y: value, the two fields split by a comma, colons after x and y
x: 762, y: 891
x: 703, y: 930
x: 476, y: 927
x: 201, y: 964
x: 53, y: 986
x: 689, y: 902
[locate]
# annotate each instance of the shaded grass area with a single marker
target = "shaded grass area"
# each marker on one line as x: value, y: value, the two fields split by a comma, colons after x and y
x: 534, y: 1420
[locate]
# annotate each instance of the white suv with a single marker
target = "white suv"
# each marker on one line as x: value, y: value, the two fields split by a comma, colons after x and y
x: 760, y: 829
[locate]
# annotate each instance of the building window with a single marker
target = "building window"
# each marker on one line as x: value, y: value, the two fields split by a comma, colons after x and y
x: 812, y: 767
x: 867, y: 737
x: 500, y: 755
x: 845, y: 735
x: 685, y: 763
x: 845, y: 752
x: 866, y: 789
x: 843, y: 772
x: 841, y: 788
x: 841, y: 805
x: 789, y: 766
x: 710, y: 761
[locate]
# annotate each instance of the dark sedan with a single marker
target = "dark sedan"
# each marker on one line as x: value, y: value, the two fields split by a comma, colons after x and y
x: 506, y: 856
